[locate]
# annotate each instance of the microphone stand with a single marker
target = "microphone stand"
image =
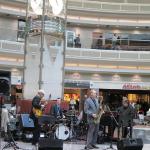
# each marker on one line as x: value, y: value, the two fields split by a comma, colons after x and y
x: 112, y: 118
x: 11, y: 142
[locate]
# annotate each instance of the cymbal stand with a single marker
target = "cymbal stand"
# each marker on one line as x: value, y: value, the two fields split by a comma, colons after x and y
x: 72, y: 131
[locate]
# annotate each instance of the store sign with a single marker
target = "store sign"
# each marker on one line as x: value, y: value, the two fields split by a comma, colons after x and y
x: 76, y: 76
x: 16, y: 80
x: 129, y: 86
x: 19, y: 87
x: 120, y: 85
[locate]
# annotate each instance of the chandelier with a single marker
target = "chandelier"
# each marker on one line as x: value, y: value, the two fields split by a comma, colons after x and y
x: 55, y: 5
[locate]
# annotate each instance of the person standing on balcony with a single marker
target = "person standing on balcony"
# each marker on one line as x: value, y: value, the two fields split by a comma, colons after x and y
x: 77, y: 41
x: 114, y: 41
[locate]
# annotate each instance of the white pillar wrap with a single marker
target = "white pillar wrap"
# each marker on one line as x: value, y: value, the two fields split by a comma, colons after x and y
x: 51, y: 71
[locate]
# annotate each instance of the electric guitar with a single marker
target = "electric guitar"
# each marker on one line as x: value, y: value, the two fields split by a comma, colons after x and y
x: 39, y: 112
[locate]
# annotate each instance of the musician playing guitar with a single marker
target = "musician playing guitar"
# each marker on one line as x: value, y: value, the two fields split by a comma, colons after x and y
x: 36, y: 111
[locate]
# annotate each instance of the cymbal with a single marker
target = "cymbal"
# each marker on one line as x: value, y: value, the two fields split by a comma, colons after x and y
x: 70, y: 115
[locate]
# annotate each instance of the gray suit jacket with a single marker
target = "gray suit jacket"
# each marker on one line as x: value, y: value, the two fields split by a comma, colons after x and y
x: 90, y: 108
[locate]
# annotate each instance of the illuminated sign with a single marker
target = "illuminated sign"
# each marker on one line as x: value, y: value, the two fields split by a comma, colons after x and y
x: 130, y: 86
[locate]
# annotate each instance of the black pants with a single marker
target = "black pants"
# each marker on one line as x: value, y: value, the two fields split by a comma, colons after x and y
x: 36, y: 130
x: 125, y: 131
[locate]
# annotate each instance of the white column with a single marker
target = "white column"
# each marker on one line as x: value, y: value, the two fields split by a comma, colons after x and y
x: 51, y: 71
x: 31, y: 73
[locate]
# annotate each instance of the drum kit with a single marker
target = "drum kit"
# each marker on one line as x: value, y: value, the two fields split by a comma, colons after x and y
x: 64, y: 128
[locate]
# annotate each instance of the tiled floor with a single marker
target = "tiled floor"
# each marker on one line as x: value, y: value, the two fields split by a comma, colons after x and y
x: 66, y: 146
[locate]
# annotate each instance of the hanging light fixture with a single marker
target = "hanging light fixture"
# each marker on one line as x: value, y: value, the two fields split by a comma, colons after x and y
x: 37, y: 6
x: 57, y: 6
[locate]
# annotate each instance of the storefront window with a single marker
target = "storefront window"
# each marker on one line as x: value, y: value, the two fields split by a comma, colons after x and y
x: 21, y: 30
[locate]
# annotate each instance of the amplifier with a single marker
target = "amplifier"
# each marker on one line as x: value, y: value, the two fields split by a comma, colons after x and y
x: 130, y: 144
x: 26, y: 121
x: 50, y: 144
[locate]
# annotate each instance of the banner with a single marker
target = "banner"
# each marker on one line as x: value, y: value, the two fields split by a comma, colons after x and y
x: 120, y: 85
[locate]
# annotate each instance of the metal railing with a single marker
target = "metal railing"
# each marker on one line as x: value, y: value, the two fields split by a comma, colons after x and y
x: 111, y: 55
x: 11, y: 47
x: 128, y: 44
x: 124, y: 41
x: 99, y: 6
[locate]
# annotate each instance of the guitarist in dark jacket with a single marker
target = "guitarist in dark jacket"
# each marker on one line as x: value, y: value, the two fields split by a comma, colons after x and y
x: 36, y: 103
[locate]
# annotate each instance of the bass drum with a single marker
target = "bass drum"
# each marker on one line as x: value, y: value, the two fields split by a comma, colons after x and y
x: 62, y: 132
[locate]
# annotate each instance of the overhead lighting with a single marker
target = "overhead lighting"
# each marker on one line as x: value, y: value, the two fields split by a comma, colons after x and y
x: 127, y: 67
x: 71, y: 65
x: 108, y: 20
x: 116, y: 77
x: 88, y: 65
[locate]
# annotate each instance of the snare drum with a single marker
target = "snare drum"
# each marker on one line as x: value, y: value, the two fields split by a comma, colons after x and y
x: 62, y: 132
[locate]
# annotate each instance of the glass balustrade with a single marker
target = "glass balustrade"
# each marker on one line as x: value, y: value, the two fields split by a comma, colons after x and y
x: 103, y: 41
x: 111, y: 41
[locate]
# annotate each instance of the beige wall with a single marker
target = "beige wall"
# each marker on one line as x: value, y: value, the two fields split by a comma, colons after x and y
x: 8, y: 28
x: 107, y: 77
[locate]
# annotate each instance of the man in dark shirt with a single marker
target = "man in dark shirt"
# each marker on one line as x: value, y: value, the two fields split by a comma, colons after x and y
x: 36, y: 103
x: 56, y: 110
x: 77, y: 41
x: 126, y: 114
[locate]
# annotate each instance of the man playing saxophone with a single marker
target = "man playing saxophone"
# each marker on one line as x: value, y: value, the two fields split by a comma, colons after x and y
x: 92, y: 109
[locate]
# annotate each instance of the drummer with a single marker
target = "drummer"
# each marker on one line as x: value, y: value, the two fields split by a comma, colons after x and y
x: 57, y: 110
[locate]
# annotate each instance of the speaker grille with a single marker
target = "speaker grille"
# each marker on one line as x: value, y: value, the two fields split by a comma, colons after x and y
x: 130, y: 144
x: 50, y: 144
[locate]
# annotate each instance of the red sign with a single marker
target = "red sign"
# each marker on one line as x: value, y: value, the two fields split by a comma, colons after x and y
x: 131, y: 87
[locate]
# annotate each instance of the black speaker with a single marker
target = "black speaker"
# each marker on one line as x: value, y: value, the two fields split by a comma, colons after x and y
x: 26, y: 121
x: 50, y: 144
x: 130, y: 144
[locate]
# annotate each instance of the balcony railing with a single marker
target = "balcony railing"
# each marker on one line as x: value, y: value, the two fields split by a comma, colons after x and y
x: 98, y: 6
x: 129, y: 6
x: 11, y: 47
x: 131, y: 43
x: 111, y: 55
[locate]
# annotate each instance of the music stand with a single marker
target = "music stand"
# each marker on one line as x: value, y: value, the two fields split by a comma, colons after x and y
x: 112, y: 118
